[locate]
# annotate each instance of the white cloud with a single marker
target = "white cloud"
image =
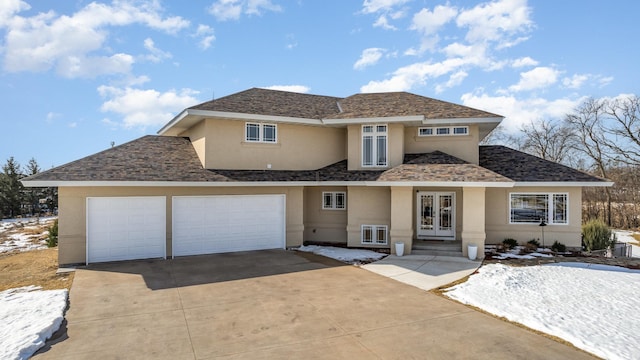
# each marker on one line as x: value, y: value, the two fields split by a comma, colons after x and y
x: 156, y: 55
x: 142, y: 108
x: 51, y: 116
x: 369, y: 57
x: 224, y: 10
x: 205, y: 33
x: 524, y: 62
x: 537, y: 78
x: 604, y: 81
x: 8, y: 8
x: 382, y: 22
x: 576, y: 81
x: 496, y: 21
x: 75, y: 45
x: 454, y: 80
x: 291, y: 88
x: 518, y: 112
x: 429, y: 22
x: 374, y: 6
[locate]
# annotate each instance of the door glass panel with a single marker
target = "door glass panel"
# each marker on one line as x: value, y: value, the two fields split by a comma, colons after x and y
x: 446, y: 203
x: 426, y: 222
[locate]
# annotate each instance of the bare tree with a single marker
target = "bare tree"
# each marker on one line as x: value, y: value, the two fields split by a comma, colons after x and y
x: 622, y: 127
x: 550, y: 140
x: 587, y: 124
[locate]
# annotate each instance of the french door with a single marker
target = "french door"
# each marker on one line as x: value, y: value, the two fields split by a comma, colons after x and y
x: 436, y: 215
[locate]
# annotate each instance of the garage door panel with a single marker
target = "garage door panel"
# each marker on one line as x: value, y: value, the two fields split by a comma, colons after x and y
x: 125, y: 228
x: 227, y: 223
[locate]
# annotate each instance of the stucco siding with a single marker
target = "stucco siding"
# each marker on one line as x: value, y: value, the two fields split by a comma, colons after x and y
x: 497, y: 218
x: 367, y: 206
x: 322, y: 225
x: 464, y: 147
x: 298, y: 147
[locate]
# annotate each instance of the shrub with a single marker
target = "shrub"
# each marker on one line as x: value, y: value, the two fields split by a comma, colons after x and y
x: 510, y: 243
x: 597, y: 235
x: 52, y: 238
x: 558, y: 247
x: 534, y: 242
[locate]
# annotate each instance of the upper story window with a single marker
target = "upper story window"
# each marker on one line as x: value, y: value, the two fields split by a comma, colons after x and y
x: 443, y: 131
x: 374, y: 145
x: 258, y: 132
x: 530, y: 208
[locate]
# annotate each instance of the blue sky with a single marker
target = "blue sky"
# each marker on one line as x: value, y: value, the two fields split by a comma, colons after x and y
x: 77, y: 75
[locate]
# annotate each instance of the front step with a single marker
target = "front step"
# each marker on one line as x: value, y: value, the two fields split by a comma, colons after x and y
x: 437, y: 248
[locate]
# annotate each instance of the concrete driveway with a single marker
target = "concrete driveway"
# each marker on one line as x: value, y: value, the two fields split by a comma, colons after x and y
x: 275, y: 305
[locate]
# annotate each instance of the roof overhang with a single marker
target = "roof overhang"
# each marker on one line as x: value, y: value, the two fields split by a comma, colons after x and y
x: 448, y: 184
x: 564, y: 183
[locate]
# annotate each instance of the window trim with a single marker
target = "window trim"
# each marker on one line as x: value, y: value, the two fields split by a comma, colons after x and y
x: 550, y: 208
x: 374, y: 233
x: 261, y: 130
x: 375, y: 135
x: 434, y: 131
x: 334, y: 202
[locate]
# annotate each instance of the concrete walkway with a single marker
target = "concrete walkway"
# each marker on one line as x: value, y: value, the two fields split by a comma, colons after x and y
x: 275, y: 305
x: 425, y: 272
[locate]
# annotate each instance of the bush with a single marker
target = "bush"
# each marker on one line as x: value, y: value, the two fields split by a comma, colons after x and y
x: 597, y: 235
x: 52, y: 238
x: 534, y: 242
x: 510, y: 243
x: 558, y: 247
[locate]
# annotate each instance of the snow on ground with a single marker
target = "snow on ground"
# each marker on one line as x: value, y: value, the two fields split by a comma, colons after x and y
x: 625, y: 236
x: 351, y: 256
x: 594, y: 307
x: 13, y: 238
x: 28, y: 317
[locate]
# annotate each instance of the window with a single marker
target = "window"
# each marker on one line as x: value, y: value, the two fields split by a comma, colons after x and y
x: 374, y: 145
x: 443, y: 131
x: 334, y: 200
x: 255, y: 132
x: 531, y: 208
x: 374, y: 234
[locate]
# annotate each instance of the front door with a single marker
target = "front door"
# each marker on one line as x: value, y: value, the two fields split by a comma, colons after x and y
x: 436, y: 215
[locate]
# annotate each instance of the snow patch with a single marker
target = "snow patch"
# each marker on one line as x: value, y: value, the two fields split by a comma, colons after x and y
x: 351, y: 256
x: 592, y: 306
x: 28, y: 317
x: 626, y: 237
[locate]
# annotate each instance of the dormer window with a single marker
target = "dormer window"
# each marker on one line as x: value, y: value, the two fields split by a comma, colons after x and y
x: 374, y: 145
x: 258, y: 132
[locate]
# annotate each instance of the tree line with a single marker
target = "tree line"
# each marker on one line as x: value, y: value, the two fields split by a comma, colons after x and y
x: 600, y: 136
x: 16, y: 200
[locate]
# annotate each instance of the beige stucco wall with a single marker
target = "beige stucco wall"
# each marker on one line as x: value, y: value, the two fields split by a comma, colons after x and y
x: 367, y: 206
x: 497, y: 218
x: 395, y: 146
x: 72, y: 212
x: 464, y: 147
x: 299, y: 147
x: 324, y: 225
x: 473, y: 220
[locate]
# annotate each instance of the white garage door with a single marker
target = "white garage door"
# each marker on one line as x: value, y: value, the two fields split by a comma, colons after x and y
x: 126, y: 228
x: 217, y: 224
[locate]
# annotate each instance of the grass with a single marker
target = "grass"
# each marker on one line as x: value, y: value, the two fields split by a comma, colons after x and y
x: 637, y: 237
x: 37, y: 267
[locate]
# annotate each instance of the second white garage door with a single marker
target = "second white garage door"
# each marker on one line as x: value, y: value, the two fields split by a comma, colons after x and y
x: 217, y: 224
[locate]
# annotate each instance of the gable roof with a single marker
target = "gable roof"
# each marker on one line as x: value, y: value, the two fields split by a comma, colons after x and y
x: 523, y: 167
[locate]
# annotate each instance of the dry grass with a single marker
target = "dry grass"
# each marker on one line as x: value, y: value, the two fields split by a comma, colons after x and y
x: 637, y: 237
x: 37, y: 267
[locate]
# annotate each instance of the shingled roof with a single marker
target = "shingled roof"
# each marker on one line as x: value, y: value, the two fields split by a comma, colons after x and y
x: 391, y: 104
x: 523, y: 167
x: 173, y: 159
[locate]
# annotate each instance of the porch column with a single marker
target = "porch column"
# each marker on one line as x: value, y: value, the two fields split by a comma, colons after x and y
x: 294, y: 216
x: 473, y: 208
x: 401, y: 218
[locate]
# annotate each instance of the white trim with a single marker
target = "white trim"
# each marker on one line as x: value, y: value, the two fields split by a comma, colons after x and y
x: 374, y: 149
x: 374, y: 234
x: 460, y: 184
x: 261, y: 139
x: 550, y: 208
x: 564, y: 183
x: 434, y: 130
x: 334, y: 196
x: 462, y: 121
x: 436, y: 195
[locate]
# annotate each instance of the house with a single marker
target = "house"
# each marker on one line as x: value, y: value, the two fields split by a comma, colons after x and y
x: 264, y: 169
